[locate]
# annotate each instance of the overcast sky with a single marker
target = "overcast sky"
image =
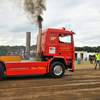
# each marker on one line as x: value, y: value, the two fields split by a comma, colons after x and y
x: 80, y: 16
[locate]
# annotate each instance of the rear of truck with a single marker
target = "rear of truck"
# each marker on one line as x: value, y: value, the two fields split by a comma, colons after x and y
x: 7, y: 59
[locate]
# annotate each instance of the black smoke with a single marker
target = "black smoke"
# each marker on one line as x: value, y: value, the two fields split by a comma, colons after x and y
x: 32, y: 8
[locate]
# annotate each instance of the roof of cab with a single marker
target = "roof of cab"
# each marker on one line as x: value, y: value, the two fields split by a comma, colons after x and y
x: 56, y: 30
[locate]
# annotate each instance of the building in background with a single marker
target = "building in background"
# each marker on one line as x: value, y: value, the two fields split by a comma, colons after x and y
x: 84, y: 55
x: 81, y: 55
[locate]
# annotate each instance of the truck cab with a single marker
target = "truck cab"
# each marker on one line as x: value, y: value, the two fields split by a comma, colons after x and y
x: 58, y: 44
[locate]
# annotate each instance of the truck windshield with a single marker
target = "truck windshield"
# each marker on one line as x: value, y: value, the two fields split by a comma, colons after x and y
x: 65, y: 39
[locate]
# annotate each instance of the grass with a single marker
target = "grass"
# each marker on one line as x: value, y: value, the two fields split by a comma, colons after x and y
x: 84, y: 65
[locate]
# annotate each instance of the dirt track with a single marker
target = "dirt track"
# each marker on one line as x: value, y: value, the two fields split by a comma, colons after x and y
x: 78, y: 85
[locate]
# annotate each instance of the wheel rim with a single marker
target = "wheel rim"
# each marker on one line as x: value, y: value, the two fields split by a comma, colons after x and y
x: 58, y: 70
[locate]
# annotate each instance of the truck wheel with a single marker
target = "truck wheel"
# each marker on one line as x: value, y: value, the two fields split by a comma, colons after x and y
x: 1, y: 71
x: 57, y: 70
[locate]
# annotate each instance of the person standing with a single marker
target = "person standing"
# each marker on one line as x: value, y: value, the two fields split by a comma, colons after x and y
x: 97, y: 58
x: 7, y: 54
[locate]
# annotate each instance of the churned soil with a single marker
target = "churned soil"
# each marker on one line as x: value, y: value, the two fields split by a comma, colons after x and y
x: 82, y: 84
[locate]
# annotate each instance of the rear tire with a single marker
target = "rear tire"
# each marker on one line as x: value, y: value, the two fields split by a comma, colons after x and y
x: 57, y: 70
x: 1, y: 72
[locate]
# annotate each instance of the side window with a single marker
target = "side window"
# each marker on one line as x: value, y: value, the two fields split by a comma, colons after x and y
x: 64, y: 38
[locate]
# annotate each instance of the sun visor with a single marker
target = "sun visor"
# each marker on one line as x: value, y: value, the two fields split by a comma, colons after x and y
x: 74, y: 33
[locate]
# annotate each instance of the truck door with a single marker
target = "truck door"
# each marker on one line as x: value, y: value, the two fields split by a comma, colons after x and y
x: 65, y: 46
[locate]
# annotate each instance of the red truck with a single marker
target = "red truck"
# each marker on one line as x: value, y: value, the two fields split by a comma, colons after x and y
x: 57, y: 54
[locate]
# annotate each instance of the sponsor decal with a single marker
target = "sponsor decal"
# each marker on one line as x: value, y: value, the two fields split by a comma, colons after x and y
x: 40, y: 67
x: 52, y: 38
x: 52, y: 50
x: 64, y: 49
x: 19, y: 68
x: 37, y: 67
x: 33, y: 67
x: 22, y: 68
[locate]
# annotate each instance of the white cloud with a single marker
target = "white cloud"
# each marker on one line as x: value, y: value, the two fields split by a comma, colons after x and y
x: 83, y: 17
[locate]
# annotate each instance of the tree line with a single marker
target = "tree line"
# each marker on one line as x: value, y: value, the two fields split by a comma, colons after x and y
x: 5, y: 49
x: 88, y: 49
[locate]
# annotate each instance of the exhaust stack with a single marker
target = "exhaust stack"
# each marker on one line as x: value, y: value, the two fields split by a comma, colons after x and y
x: 39, y: 36
x: 28, y: 41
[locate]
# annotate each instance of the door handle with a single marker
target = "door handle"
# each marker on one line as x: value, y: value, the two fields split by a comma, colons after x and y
x: 59, y: 53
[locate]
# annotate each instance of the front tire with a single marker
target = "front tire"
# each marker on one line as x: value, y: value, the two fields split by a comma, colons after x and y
x: 57, y: 70
x: 1, y: 72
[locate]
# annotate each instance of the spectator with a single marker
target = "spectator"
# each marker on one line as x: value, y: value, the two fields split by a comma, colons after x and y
x: 7, y: 54
x: 91, y: 60
x: 97, y: 58
x: 11, y: 54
